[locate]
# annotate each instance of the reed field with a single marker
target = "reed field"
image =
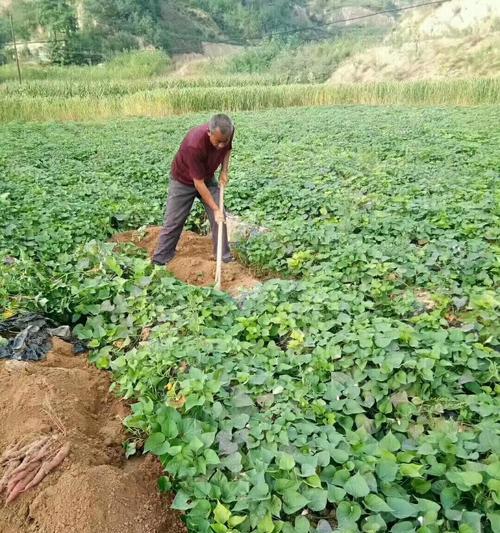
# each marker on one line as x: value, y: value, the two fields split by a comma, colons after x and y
x: 63, y: 100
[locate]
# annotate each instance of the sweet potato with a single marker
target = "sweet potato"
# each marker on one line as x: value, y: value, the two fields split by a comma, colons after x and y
x: 49, y: 466
x: 21, y: 474
x: 20, y: 486
x: 9, y: 469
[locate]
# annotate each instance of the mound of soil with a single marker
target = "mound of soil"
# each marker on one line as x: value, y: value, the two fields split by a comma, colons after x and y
x: 194, y: 262
x: 95, y: 489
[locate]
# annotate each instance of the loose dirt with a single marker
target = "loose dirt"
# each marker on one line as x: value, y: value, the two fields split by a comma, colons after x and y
x: 194, y: 262
x: 95, y: 489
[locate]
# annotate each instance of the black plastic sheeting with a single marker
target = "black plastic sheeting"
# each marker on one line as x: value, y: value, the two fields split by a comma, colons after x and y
x: 28, y: 337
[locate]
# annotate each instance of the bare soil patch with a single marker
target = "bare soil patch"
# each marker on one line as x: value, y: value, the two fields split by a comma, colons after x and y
x: 95, y: 488
x: 194, y: 262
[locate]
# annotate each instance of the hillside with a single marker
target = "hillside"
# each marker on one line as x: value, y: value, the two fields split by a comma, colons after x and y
x: 101, y: 27
x: 301, y: 41
x: 460, y: 38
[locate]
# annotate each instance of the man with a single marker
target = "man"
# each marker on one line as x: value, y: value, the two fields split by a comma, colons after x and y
x: 203, y: 150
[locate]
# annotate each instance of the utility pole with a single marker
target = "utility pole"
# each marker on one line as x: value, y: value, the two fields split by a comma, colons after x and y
x: 15, y: 47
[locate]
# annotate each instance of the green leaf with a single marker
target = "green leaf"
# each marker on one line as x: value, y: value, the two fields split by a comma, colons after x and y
x: 428, y: 509
x: 235, y: 520
x: 182, y: 501
x: 195, y: 444
x: 259, y: 492
x: 242, y: 400
x: 403, y: 527
x: 211, y: 457
x: 339, y: 456
x: 308, y: 469
x: 335, y: 494
x: 464, y: 480
x: 323, y: 527
x: 313, y: 481
x: 494, y: 519
x: 348, y: 513
x: 386, y: 470
x: 266, y: 525
x: 357, y: 486
x: 302, y: 525
x: 198, y: 523
x: 473, y: 520
x: 164, y: 484
x: 169, y: 428
x: 240, y: 421
x: 208, y: 438
x: 193, y: 400
x: 221, y: 513
x: 286, y: 462
x: 390, y: 443
x: 420, y: 486
x: 293, y: 501
x: 233, y: 462
x: 472, y: 478
x: 410, y: 470
x: 317, y: 499
x: 173, y: 450
x: 155, y: 444
x: 377, y: 504
x: 373, y: 524
x: 402, y: 508
x: 219, y: 528
x: 382, y: 341
x: 449, y: 497
x: 493, y: 469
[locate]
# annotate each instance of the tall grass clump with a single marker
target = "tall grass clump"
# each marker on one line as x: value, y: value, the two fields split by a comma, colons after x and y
x: 187, y: 99
x: 99, y: 88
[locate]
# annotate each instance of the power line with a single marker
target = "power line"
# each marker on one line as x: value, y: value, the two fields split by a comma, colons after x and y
x: 319, y: 27
x: 341, y: 21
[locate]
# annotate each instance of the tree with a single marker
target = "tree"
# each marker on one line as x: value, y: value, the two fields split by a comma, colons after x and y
x: 58, y: 18
x: 4, y: 38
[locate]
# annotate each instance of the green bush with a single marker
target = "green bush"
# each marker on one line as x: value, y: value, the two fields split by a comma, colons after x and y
x: 141, y: 64
x: 256, y: 60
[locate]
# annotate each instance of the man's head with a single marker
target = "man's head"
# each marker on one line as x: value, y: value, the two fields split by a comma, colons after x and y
x: 220, y: 130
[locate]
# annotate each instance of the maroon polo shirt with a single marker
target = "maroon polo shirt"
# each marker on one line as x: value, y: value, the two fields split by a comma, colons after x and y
x: 197, y: 158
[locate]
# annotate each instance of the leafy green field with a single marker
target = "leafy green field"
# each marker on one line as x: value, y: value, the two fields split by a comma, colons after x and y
x: 357, y: 393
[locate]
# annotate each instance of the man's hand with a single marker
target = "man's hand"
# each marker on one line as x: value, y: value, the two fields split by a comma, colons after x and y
x: 224, y: 178
x: 219, y: 216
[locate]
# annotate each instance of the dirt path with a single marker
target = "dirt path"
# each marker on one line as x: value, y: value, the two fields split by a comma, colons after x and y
x: 95, y: 489
x: 194, y: 262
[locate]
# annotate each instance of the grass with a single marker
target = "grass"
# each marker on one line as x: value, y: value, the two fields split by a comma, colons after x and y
x: 98, y: 103
x: 125, y: 66
x: 61, y: 88
x: 311, y: 62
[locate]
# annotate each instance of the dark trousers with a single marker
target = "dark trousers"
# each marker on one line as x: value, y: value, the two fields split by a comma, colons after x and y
x: 179, y: 203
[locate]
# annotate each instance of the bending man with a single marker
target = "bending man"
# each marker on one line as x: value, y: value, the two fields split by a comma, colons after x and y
x: 204, y: 149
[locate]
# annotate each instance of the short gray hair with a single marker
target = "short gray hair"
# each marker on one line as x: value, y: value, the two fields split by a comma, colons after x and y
x: 223, y: 123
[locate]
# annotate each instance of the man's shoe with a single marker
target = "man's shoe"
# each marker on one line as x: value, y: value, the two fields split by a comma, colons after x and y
x: 157, y: 263
x: 228, y: 259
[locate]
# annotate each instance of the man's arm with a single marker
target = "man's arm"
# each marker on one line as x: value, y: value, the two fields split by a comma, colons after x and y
x: 224, y: 174
x: 197, y: 171
x: 207, y: 197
